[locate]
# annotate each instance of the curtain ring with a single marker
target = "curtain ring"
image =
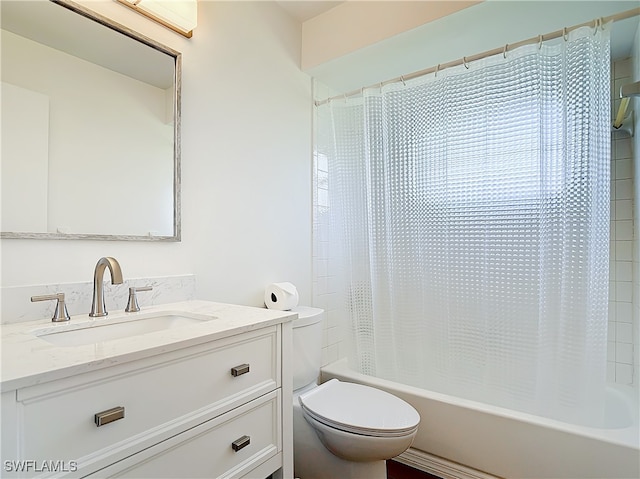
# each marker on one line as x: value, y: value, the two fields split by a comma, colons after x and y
x: 539, y: 42
x: 504, y: 51
x: 464, y: 62
x: 564, y: 34
x: 598, y: 23
x: 402, y: 80
x: 435, y: 75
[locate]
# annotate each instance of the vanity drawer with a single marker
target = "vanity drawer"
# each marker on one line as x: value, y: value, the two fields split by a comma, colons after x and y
x: 253, y: 427
x: 160, y: 399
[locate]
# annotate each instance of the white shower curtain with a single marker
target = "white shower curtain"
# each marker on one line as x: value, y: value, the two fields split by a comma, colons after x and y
x: 470, y: 226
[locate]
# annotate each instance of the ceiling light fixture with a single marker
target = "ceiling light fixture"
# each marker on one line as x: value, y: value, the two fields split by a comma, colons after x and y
x: 181, y: 16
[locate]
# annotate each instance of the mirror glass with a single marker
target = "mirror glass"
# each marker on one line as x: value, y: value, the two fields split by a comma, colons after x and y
x: 90, y: 127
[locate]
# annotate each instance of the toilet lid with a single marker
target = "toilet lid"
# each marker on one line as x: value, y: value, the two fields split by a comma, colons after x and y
x: 360, y: 409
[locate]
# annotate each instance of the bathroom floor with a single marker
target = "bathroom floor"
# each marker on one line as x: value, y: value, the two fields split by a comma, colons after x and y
x: 396, y: 470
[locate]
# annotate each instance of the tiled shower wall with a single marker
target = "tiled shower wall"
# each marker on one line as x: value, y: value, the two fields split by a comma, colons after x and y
x: 324, y: 293
x: 621, y: 347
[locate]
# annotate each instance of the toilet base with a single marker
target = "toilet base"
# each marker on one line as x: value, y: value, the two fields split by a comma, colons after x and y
x: 314, y: 461
x: 348, y: 470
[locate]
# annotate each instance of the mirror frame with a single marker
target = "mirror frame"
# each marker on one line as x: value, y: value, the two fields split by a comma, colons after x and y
x: 177, y: 56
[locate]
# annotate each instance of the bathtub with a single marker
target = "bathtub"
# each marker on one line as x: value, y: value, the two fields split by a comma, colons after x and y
x: 459, y: 438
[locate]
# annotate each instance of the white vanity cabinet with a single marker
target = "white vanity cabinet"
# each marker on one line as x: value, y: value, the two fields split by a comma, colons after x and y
x: 214, y: 409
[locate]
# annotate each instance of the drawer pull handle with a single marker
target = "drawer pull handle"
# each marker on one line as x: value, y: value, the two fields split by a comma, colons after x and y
x: 110, y: 415
x: 240, y: 443
x: 239, y: 370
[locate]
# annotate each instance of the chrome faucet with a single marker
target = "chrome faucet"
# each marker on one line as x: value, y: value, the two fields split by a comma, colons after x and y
x: 98, y: 308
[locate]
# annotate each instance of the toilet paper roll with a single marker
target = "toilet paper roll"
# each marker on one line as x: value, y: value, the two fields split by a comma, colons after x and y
x: 281, y: 296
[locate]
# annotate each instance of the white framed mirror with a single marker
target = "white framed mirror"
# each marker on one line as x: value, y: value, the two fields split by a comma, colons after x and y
x: 90, y: 127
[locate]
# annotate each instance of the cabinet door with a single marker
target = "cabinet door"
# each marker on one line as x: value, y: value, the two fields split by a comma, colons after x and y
x: 231, y: 445
x: 8, y: 428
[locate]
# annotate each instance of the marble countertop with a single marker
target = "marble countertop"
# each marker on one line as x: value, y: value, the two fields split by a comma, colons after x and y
x: 28, y: 359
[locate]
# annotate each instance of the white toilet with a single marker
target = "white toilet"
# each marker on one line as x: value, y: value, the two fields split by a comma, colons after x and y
x: 340, y: 429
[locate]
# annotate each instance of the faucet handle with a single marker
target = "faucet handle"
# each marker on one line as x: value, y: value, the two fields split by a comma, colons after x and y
x: 132, y: 304
x: 60, y: 313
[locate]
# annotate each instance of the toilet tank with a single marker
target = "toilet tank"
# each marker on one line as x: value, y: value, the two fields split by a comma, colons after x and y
x: 307, y: 345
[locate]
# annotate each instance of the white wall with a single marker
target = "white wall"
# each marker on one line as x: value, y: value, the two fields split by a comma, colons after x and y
x: 246, y: 165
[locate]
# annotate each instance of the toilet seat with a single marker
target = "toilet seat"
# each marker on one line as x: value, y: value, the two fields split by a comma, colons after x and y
x: 359, y: 409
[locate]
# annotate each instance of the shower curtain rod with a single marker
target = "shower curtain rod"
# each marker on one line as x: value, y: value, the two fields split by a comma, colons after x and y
x: 496, y: 51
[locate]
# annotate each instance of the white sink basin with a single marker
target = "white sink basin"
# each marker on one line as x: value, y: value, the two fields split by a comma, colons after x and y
x: 106, y: 329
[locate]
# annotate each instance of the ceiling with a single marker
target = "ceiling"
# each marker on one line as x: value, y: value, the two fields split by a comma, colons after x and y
x: 304, y: 10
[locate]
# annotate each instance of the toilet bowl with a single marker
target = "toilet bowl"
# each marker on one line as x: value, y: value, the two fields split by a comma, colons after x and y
x: 359, y: 423
x: 341, y: 429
